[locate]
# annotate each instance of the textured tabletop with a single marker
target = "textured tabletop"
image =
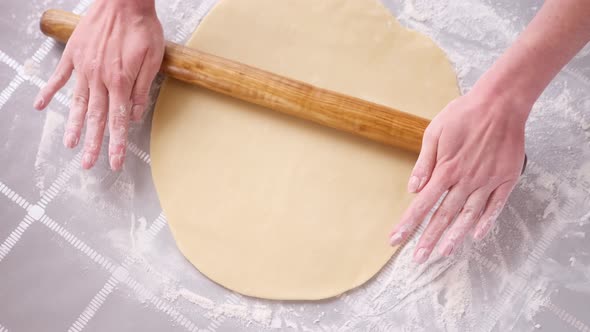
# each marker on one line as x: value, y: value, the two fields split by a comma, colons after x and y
x: 91, y: 250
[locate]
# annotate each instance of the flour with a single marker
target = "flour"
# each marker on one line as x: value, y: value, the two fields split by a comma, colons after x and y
x: 31, y: 68
x: 199, y: 300
x: 551, y: 208
x: 456, y: 294
x: 135, y: 229
x: 537, y: 300
x: 413, y: 14
x: 442, y: 284
x: 261, y: 315
x: 482, y: 32
x: 51, y: 134
x: 258, y: 314
x: 166, y: 284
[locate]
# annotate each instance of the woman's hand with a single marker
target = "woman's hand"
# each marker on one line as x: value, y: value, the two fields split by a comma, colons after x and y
x: 116, y: 51
x: 474, y: 149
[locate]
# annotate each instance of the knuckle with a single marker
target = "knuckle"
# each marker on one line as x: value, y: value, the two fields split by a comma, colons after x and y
x: 91, y: 73
x: 138, y: 55
x: 469, y: 214
x: 97, y: 106
x: 118, y: 79
x: 95, y: 117
x: 93, y: 69
x: 444, y: 216
x: 140, y: 96
x: 420, y: 208
x: 467, y: 184
x: 92, y: 146
x: 120, y: 119
x: 70, y: 128
x: 119, y: 122
x: 77, y: 58
x: 58, y: 77
x: 88, y: 71
x: 449, y: 172
x: 74, y: 124
x: 122, y: 111
x: 423, y: 166
x: 429, y: 134
x: 428, y: 239
x: 80, y: 100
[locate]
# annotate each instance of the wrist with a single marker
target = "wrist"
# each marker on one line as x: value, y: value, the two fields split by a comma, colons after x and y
x: 142, y: 7
x: 503, y: 99
x: 508, y: 90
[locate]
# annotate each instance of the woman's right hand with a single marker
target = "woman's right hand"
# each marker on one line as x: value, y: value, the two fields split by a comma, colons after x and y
x: 116, y: 51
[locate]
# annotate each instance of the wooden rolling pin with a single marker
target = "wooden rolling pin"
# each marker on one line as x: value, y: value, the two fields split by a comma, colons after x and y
x: 332, y: 109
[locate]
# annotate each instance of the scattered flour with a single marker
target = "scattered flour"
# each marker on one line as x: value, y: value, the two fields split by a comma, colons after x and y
x: 259, y: 314
x: 52, y: 131
x: 31, y: 68
x: 446, y: 291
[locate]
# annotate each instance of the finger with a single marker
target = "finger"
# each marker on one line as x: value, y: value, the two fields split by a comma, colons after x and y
x: 426, y: 161
x: 95, y: 124
x: 441, y: 219
x: 141, y: 89
x: 77, y: 112
x: 492, y: 210
x: 58, y: 79
x: 419, y: 208
x: 465, y: 221
x: 119, y: 111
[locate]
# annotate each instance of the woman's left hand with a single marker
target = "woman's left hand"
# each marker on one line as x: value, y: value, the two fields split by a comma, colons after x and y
x: 474, y: 151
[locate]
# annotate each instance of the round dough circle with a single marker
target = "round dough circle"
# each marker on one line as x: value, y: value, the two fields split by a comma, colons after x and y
x: 272, y: 206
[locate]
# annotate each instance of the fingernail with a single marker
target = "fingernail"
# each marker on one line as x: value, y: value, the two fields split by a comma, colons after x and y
x: 87, y: 160
x: 421, y: 256
x: 70, y: 140
x: 447, y: 249
x: 396, y: 239
x: 413, y: 184
x: 136, y: 112
x: 116, y: 161
x: 39, y: 102
x: 422, y: 183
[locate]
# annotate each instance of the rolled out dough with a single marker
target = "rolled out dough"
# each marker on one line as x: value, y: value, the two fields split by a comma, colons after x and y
x: 275, y: 207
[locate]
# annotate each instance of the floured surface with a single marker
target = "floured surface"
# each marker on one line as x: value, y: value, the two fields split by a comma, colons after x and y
x: 103, y: 250
x: 274, y: 207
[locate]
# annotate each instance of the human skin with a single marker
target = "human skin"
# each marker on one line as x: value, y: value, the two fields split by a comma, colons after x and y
x: 474, y: 149
x: 116, y: 51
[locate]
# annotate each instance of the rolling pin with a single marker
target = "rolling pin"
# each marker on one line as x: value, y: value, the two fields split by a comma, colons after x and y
x: 332, y: 109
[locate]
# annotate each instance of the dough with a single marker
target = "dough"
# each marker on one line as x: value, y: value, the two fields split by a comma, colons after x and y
x: 272, y: 206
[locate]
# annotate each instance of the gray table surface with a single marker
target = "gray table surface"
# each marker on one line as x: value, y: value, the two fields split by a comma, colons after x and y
x: 91, y: 250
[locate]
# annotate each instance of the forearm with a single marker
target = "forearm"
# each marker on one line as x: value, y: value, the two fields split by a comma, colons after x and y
x: 550, y: 41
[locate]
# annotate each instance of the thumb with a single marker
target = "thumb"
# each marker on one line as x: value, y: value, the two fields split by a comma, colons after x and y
x: 141, y: 90
x: 426, y: 161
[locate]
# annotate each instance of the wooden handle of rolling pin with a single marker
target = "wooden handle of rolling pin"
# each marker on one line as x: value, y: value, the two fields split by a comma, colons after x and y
x: 332, y: 109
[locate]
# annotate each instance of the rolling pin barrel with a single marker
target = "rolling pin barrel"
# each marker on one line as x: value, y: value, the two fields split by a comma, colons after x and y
x: 376, y: 122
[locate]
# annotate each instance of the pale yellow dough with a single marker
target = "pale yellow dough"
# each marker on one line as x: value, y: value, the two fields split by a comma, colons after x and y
x: 275, y: 207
